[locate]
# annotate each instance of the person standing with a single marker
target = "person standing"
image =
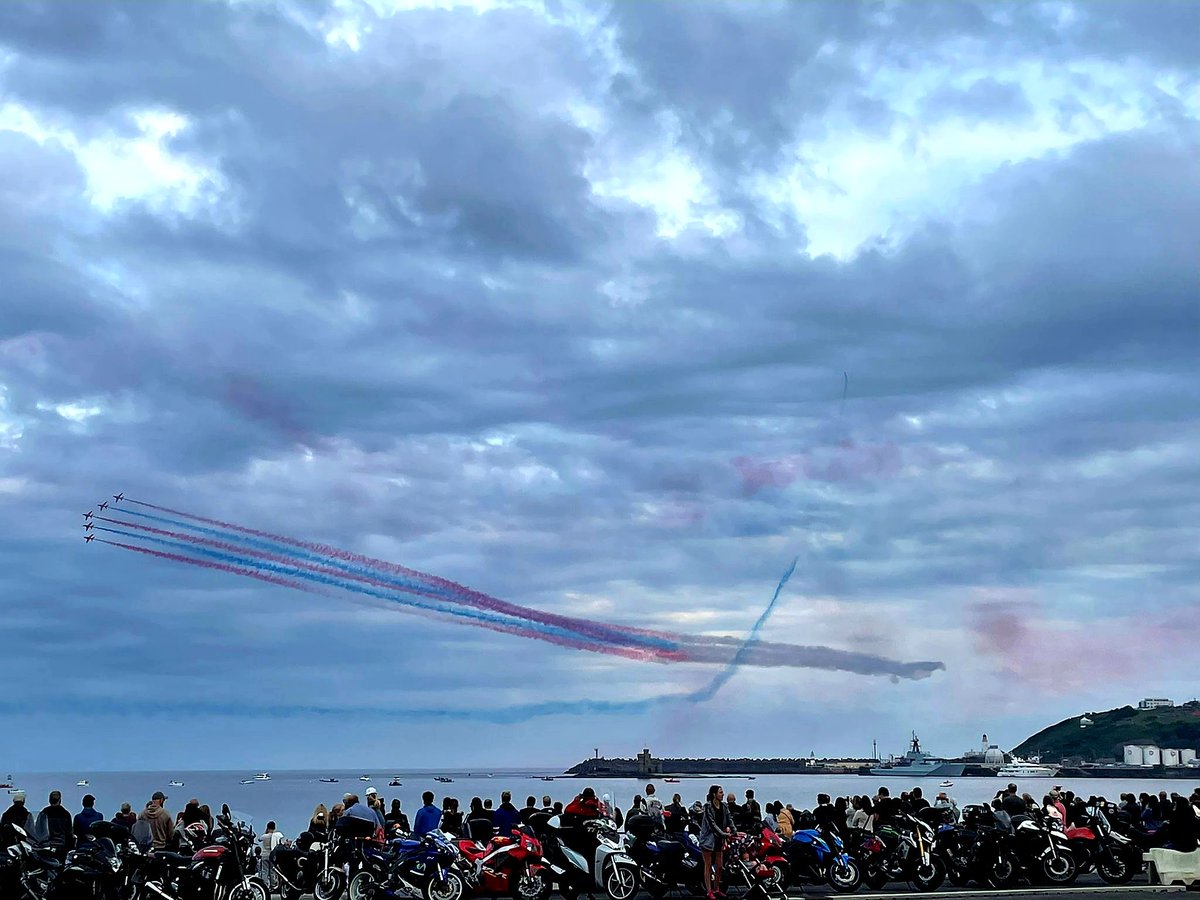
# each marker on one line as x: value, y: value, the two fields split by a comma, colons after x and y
x: 17, y: 814
x: 676, y: 816
x: 125, y: 817
x: 162, y: 826
x: 654, y: 805
x: 428, y: 816
x: 55, y: 827
x: 716, y: 826
x: 86, y: 817
x: 507, y: 815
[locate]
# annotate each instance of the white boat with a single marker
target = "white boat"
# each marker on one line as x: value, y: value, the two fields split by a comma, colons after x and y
x: 364, y: 777
x: 263, y: 776
x: 82, y: 782
x: 328, y: 780
x: 246, y: 781
x: 947, y: 783
x: 1021, y: 768
x: 174, y: 784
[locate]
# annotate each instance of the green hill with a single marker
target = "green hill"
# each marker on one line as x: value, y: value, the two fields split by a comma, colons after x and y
x: 1104, y: 739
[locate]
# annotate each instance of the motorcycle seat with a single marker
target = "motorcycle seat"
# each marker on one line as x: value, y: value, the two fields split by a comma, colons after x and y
x: 171, y: 858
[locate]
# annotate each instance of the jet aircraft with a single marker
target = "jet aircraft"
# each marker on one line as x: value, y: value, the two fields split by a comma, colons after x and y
x: 103, y: 504
x: 119, y: 497
x: 88, y: 514
x: 88, y: 538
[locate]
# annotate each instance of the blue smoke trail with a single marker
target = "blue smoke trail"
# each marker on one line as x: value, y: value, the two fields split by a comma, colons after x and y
x: 333, y: 581
x: 722, y: 677
x: 588, y: 631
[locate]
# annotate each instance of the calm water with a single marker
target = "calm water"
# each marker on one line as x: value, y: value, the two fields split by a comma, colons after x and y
x: 289, y: 797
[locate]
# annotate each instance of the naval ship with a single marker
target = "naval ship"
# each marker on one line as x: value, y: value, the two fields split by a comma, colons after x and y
x: 916, y: 763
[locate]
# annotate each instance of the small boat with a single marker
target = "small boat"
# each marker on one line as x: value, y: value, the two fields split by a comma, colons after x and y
x: 443, y: 779
x: 82, y: 782
x: 364, y: 777
x: 749, y: 777
x: 174, y: 784
x: 263, y: 776
x: 395, y: 782
x: 947, y: 783
x: 328, y: 780
x: 547, y: 778
x: 13, y: 790
x: 671, y: 780
x: 246, y: 781
x: 6, y: 784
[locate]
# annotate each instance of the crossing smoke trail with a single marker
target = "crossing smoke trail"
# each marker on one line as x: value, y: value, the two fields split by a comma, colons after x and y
x: 332, y: 567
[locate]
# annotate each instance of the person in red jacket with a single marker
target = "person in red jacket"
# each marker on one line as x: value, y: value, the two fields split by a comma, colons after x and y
x: 586, y: 805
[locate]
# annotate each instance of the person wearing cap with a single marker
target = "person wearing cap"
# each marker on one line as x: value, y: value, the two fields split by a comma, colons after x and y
x: 54, y: 827
x: 162, y: 826
x: 375, y: 804
x: 86, y: 817
x: 17, y: 814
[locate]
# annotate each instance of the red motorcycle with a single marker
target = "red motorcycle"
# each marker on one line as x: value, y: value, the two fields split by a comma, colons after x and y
x: 505, y: 866
x: 755, y: 862
x: 766, y: 848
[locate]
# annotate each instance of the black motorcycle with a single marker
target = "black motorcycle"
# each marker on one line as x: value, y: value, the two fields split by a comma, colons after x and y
x: 300, y: 866
x: 97, y: 868
x: 1044, y: 851
x: 26, y: 870
x: 666, y: 861
x: 903, y: 849
x: 979, y: 851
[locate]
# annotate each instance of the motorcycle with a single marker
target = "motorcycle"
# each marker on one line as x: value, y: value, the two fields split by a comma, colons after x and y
x: 97, y: 867
x: 1043, y: 851
x: 1096, y: 846
x: 743, y: 869
x: 902, y: 849
x: 26, y: 870
x: 410, y: 867
x: 980, y: 851
x: 665, y: 861
x: 505, y: 866
x: 351, y: 847
x: 589, y: 855
x: 225, y: 869
x: 299, y: 867
x: 814, y: 856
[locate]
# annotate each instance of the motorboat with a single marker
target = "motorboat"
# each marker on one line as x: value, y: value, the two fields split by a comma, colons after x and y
x: 82, y: 782
x: 443, y: 779
x: 1022, y: 768
x: 328, y: 780
x: 395, y: 782
x: 364, y: 777
x: 263, y: 776
x: 671, y: 780
x: 946, y: 783
x: 174, y: 784
x: 547, y: 778
x: 246, y: 781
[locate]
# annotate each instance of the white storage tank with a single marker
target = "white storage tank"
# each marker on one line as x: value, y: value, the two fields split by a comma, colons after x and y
x: 1187, y: 757
x: 1170, y: 757
x: 1151, y: 756
x: 1133, y: 755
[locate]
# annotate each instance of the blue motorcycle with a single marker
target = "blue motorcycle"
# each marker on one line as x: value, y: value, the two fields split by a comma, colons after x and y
x: 665, y: 861
x: 820, y: 857
x: 410, y: 868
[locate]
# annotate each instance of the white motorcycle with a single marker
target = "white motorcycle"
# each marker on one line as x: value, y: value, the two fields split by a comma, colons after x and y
x: 590, y: 855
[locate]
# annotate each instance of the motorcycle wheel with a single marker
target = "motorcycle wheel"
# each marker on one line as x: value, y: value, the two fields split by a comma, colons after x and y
x: 845, y: 878
x: 362, y: 886
x: 1113, y: 868
x: 929, y: 876
x: 530, y: 886
x: 1004, y: 872
x: 1059, y: 869
x: 621, y: 882
x: 876, y: 878
x: 781, y: 875
x: 330, y: 885
x: 450, y: 889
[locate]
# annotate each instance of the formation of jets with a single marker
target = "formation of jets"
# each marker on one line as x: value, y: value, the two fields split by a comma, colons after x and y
x: 88, y: 524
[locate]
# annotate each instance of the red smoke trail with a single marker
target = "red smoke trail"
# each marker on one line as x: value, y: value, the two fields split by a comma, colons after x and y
x: 486, y: 601
x: 515, y: 630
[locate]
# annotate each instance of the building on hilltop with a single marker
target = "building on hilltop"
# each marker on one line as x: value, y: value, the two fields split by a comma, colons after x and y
x: 1155, y: 703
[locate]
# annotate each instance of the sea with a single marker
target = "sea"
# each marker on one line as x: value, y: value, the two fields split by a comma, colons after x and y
x: 290, y: 797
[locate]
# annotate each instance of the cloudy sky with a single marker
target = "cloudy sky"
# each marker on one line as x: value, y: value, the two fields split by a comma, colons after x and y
x: 556, y: 302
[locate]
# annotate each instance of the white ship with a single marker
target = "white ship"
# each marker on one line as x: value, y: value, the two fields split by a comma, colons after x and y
x: 263, y: 776
x: 1021, y: 768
